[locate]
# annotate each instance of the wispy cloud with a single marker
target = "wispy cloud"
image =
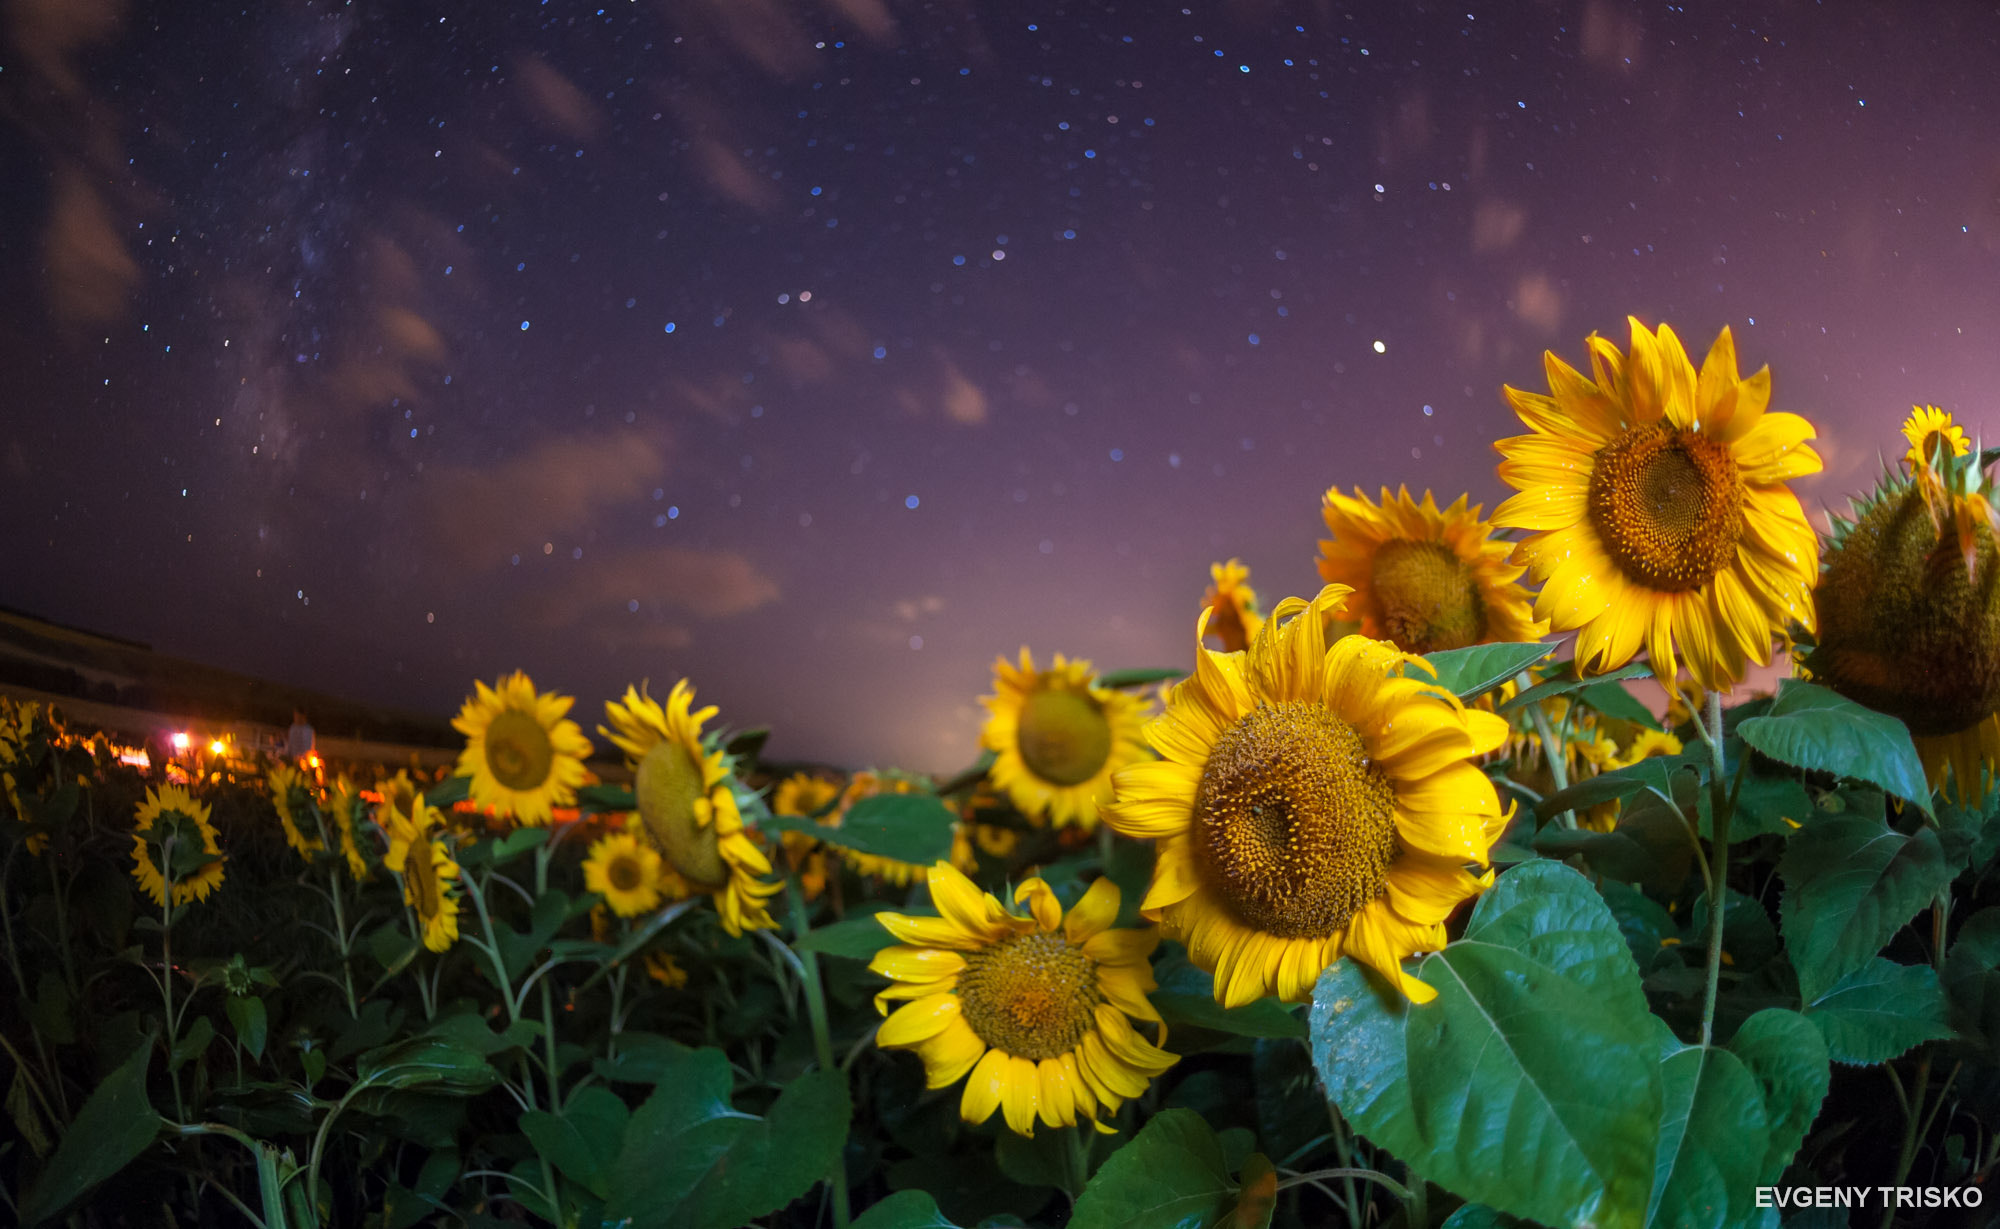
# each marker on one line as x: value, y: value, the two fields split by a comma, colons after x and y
x: 483, y: 516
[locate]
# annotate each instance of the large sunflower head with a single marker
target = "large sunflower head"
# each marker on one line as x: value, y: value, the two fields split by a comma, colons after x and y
x: 1910, y: 611
x: 293, y: 800
x: 687, y: 805
x: 1057, y: 740
x: 171, y: 830
x: 1036, y: 1008
x: 428, y: 874
x: 1309, y: 803
x: 625, y: 873
x: 1235, y: 620
x: 1658, y: 508
x: 1423, y: 579
x: 525, y: 758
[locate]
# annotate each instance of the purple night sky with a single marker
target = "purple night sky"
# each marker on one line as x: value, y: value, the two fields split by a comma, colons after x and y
x: 822, y: 350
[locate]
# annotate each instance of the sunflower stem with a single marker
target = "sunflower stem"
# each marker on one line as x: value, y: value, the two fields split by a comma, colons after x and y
x: 340, y: 925
x: 808, y: 969
x: 1722, y: 803
x: 1552, y: 752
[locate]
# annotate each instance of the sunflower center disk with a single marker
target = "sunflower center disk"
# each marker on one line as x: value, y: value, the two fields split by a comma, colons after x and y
x: 1427, y: 597
x: 1034, y: 995
x: 1294, y: 824
x: 667, y: 784
x: 1064, y: 736
x: 1668, y: 505
x: 518, y: 750
x: 624, y: 873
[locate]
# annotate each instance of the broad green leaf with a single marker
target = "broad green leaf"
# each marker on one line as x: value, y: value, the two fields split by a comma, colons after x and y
x: 1171, y: 1176
x: 1749, y: 940
x: 1811, y: 727
x: 1499, y: 1090
x: 1186, y: 995
x: 605, y: 799
x: 1657, y: 773
x: 1139, y: 678
x: 1613, y: 700
x: 1786, y: 1055
x: 1713, y: 1138
x: 1972, y: 978
x: 518, y: 949
x: 449, y: 792
x: 1765, y: 806
x: 691, y: 1160
x: 246, y: 1016
x: 1647, y: 926
x: 193, y: 1044
x: 856, y: 938
x: 468, y: 1031
x: 1479, y: 1216
x: 114, y: 1126
x: 1047, y: 1158
x: 1649, y: 846
x: 907, y: 827
x: 1879, y: 1011
x: 643, y: 1058
x: 1550, y: 914
x: 425, y: 1062
x: 904, y: 1210
x: 584, y: 1139
x: 1471, y: 672
x: 1850, y: 885
x: 1563, y: 686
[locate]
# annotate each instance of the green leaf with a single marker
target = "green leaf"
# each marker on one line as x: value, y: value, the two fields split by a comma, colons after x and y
x: 1748, y: 938
x: 1479, y: 1216
x: 1765, y: 806
x: 246, y: 1016
x: 1787, y: 1057
x: 1256, y: 1194
x: 584, y: 1139
x: 194, y: 1044
x: 1850, y: 885
x: 1186, y: 995
x: 1649, y: 845
x: 517, y: 949
x: 1047, y: 1158
x: 1471, y: 672
x: 1713, y: 1137
x: 856, y: 938
x: 50, y: 1012
x: 449, y: 792
x: 643, y: 1058
x: 907, y: 827
x: 1570, y: 683
x: 691, y: 1160
x: 1811, y: 727
x: 1550, y: 914
x: 114, y: 1126
x: 1658, y: 773
x: 1880, y: 1011
x: 1138, y: 678
x: 605, y: 799
x: 1971, y: 981
x: 1645, y: 925
x: 423, y: 1062
x: 1171, y: 1176
x: 904, y: 1210
x: 1612, y: 700
x: 1500, y: 1090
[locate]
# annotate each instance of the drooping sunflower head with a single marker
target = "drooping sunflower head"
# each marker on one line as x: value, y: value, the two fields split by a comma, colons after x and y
x: 1659, y: 513
x: 292, y: 799
x: 687, y: 806
x: 398, y: 800
x: 172, y: 838
x: 1910, y: 613
x: 625, y: 873
x: 524, y: 756
x: 1057, y: 740
x: 1235, y: 619
x: 1309, y: 803
x: 429, y: 874
x: 1934, y: 438
x: 343, y: 807
x: 1423, y: 579
x: 1038, y: 1009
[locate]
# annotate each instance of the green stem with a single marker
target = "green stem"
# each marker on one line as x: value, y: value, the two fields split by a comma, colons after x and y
x: 49, y: 1070
x: 167, y: 969
x: 1721, y: 804
x: 340, y: 929
x: 822, y: 1034
x: 491, y: 947
x: 1913, y: 1106
x: 1552, y: 751
x: 1079, y: 1162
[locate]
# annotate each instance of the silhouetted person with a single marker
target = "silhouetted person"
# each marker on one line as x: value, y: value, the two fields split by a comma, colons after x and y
x: 299, y: 738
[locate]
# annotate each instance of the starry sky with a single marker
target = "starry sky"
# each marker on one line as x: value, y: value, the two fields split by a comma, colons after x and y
x: 821, y: 350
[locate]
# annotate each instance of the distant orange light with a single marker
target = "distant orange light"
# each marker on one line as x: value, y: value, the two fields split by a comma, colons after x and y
x: 180, y: 740
x: 217, y: 747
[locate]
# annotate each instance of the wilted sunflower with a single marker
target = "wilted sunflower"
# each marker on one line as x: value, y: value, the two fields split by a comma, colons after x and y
x: 689, y: 811
x: 171, y: 813
x: 1057, y: 740
x: 1234, y: 602
x: 1659, y: 508
x: 291, y: 796
x: 1034, y: 1007
x: 625, y: 873
x: 1423, y: 579
x: 428, y: 873
x: 344, y: 805
x: 1910, y: 610
x: 1310, y: 803
x: 525, y: 758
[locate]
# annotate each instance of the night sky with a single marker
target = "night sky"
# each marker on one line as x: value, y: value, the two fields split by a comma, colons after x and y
x: 822, y: 350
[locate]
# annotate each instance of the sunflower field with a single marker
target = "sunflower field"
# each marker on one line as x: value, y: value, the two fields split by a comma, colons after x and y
x: 1396, y: 905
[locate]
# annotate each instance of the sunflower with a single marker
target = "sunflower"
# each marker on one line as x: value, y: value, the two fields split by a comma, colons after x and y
x: 1423, y: 579
x: 171, y: 814
x: 1658, y: 508
x: 1310, y: 803
x: 1645, y: 745
x: 687, y: 806
x: 664, y: 969
x: 428, y: 873
x: 407, y: 828
x: 1929, y: 429
x: 1234, y: 602
x: 344, y: 805
x: 399, y: 797
x: 1034, y: 1007
x: 524, y: 756
x: 290, y: 795
x: 625, y: 873
x: 1057, y: 740
x: 1910, y: 612
x: 805, y: 795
